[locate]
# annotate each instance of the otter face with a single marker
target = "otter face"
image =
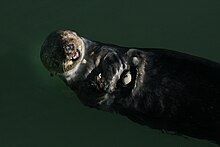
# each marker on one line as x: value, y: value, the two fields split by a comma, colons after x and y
x: 62, y: 52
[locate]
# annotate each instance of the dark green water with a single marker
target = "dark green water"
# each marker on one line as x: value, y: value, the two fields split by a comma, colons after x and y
x: 39, y: 111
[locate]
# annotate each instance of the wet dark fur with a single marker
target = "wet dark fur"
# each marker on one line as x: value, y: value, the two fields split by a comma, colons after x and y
x: 179, y: 92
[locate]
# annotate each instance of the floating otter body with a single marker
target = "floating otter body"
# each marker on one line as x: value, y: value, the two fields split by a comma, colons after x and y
x: 160, y: 88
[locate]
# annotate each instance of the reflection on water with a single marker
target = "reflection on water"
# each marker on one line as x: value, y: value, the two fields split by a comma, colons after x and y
x: 37, y: 110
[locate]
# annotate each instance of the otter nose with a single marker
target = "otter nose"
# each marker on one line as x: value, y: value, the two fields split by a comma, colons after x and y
x: 69, y: 48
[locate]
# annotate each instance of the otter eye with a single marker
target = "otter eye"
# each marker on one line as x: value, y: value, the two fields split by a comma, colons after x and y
x: 68, y: 65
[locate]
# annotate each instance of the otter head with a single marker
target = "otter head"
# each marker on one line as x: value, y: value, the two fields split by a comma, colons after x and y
x: 62, y: 52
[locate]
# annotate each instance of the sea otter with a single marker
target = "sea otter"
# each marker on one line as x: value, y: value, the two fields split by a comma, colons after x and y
x: 161, y: 88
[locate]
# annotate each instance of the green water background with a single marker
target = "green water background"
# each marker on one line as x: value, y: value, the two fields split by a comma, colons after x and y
x: 39, y: 111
